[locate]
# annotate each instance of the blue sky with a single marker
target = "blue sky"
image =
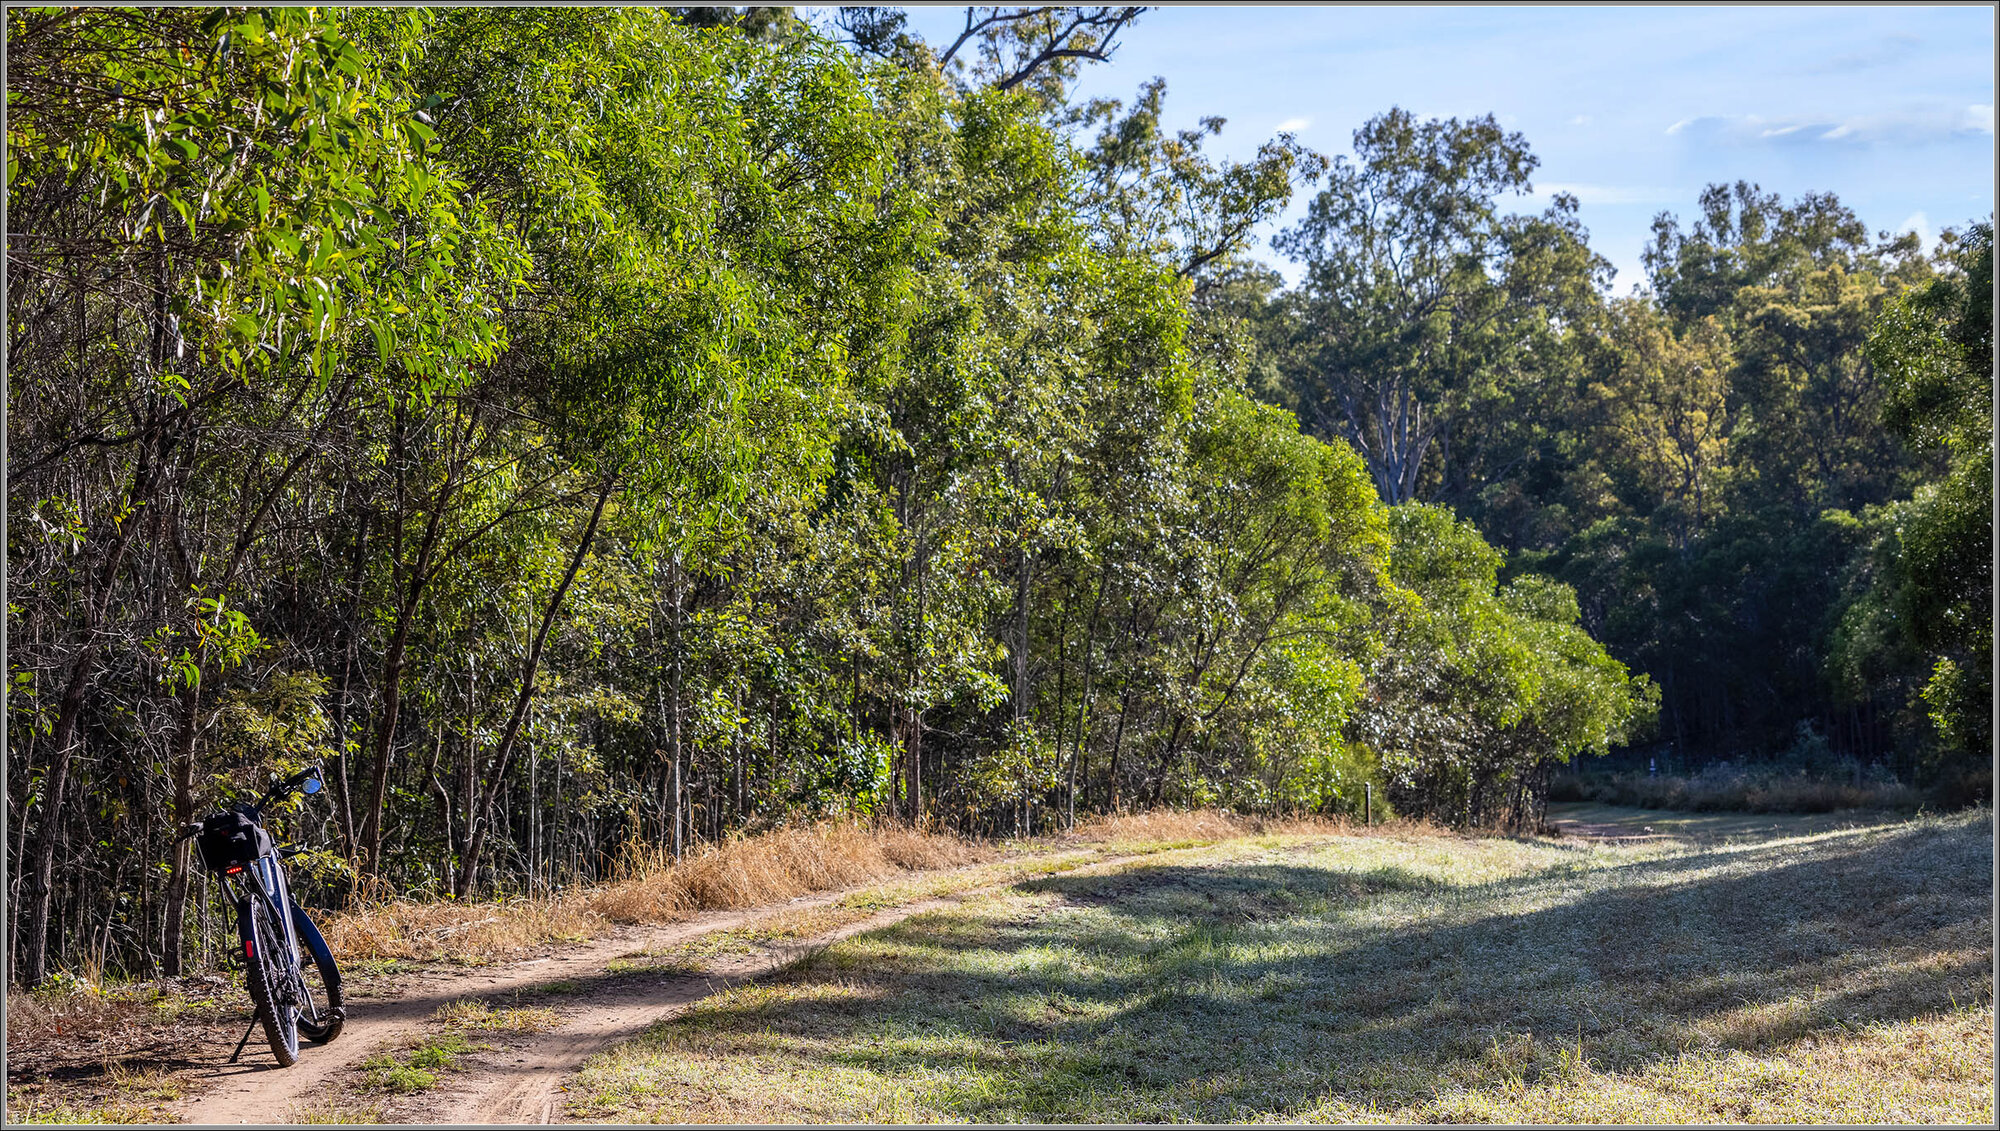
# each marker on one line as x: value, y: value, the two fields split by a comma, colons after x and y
x: 1631, y: 109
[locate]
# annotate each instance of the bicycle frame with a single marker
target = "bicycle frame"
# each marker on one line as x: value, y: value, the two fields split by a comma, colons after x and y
x: 264, y: 879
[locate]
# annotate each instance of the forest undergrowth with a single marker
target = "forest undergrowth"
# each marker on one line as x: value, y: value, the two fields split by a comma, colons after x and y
x: 1732, y: 788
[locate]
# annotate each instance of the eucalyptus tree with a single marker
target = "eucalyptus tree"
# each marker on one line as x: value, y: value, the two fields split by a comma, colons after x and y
x: 586, y: 431
x: 1716, y: 554
x: 1798, y: 284
x: 1158, y: 195
x: 1925, y: 620
x: 696, y: 252
x: 1428, y: 314
x: 267, y: 233
x: 1480, y: 688
x: 1285, y: 552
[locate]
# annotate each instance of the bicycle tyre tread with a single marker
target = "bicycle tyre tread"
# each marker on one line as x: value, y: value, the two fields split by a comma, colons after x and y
x: 257, y: 979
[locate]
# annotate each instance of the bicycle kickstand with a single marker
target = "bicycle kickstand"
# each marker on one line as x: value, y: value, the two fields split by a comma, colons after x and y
x: 233, y: 1057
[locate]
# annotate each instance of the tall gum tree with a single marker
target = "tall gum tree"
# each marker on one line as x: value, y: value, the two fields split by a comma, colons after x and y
x: 1425, y: 309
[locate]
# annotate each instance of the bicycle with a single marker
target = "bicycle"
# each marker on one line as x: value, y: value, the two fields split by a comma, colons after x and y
x: 290, y: 973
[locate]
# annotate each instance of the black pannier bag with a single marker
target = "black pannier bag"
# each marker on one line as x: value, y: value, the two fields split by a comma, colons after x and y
x: 230, y: 840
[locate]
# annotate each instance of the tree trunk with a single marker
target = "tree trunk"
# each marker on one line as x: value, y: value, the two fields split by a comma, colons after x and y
x: 177, y: 878
x: 1118, y: 741
x: 504, y: 751
x: 913, y: 737
x: 33, y: 964
x: 351, y: 632
x: 1083, y: 695
x: 41, y: 871
x: 411, y: 590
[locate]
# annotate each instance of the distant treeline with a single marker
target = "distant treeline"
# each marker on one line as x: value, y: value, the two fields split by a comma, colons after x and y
x: 584, y: 431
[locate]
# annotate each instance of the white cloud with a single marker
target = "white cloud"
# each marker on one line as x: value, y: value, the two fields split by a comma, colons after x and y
x: 1918, y: 223
x: 1580, y: 120
x: 1909, y: 125
x: 1293, y: 125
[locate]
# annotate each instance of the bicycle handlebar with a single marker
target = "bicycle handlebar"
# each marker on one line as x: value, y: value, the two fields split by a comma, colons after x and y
x: 280, y: 790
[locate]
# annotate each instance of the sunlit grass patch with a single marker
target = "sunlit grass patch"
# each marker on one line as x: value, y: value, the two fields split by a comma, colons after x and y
x: 468, y: 1013
x: 319, y: 1112
x: 417, y: 1068
x: 794, y: 925
x: 29, y: 1109
x: 1398, y: 975
x: 123, y: 1094
x: 1934, y: 1069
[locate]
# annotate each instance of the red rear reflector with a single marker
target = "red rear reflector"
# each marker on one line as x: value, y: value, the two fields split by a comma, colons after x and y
x: 248, y: 949
x: 232, y: 869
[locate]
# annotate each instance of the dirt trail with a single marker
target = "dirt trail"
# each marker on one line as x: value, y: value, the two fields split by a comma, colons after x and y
x: 257, y: 1091
x: 526, y: 1086
x: 522, y: 1083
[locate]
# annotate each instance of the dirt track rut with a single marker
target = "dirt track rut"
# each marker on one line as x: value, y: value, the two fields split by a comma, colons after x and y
x: 529, y: 1090
x: 523, y: 1083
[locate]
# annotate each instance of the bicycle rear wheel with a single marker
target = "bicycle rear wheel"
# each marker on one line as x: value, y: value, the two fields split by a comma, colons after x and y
x: 265, y: 981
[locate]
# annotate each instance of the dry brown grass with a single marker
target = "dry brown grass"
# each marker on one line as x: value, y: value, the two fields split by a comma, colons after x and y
x: 79, y: 1053
x: 775, y: 865
x: 1198, y: 825
x: 446, y: 930
x: 741, y: 872
x: 83, y: 1014
x: 65, y: 1017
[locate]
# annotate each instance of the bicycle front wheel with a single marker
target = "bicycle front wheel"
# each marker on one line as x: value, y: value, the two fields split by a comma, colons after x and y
x: 320, y: 1008
x: 266, y: 980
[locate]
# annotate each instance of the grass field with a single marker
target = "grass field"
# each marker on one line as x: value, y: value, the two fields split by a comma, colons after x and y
x: 1792, y: 972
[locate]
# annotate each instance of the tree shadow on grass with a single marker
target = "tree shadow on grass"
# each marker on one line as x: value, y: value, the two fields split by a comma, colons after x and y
x: 1225, y: 992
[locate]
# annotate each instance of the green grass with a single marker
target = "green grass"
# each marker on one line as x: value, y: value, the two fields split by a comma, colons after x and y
x: 29, y: 1112
x: 473, y: 1014
x: 1827, y: 976
x: 376, y: 967
x: 335, y: 1111
x: 123, y: 1095
x: 418, y: 1067
x: 791, y: 925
